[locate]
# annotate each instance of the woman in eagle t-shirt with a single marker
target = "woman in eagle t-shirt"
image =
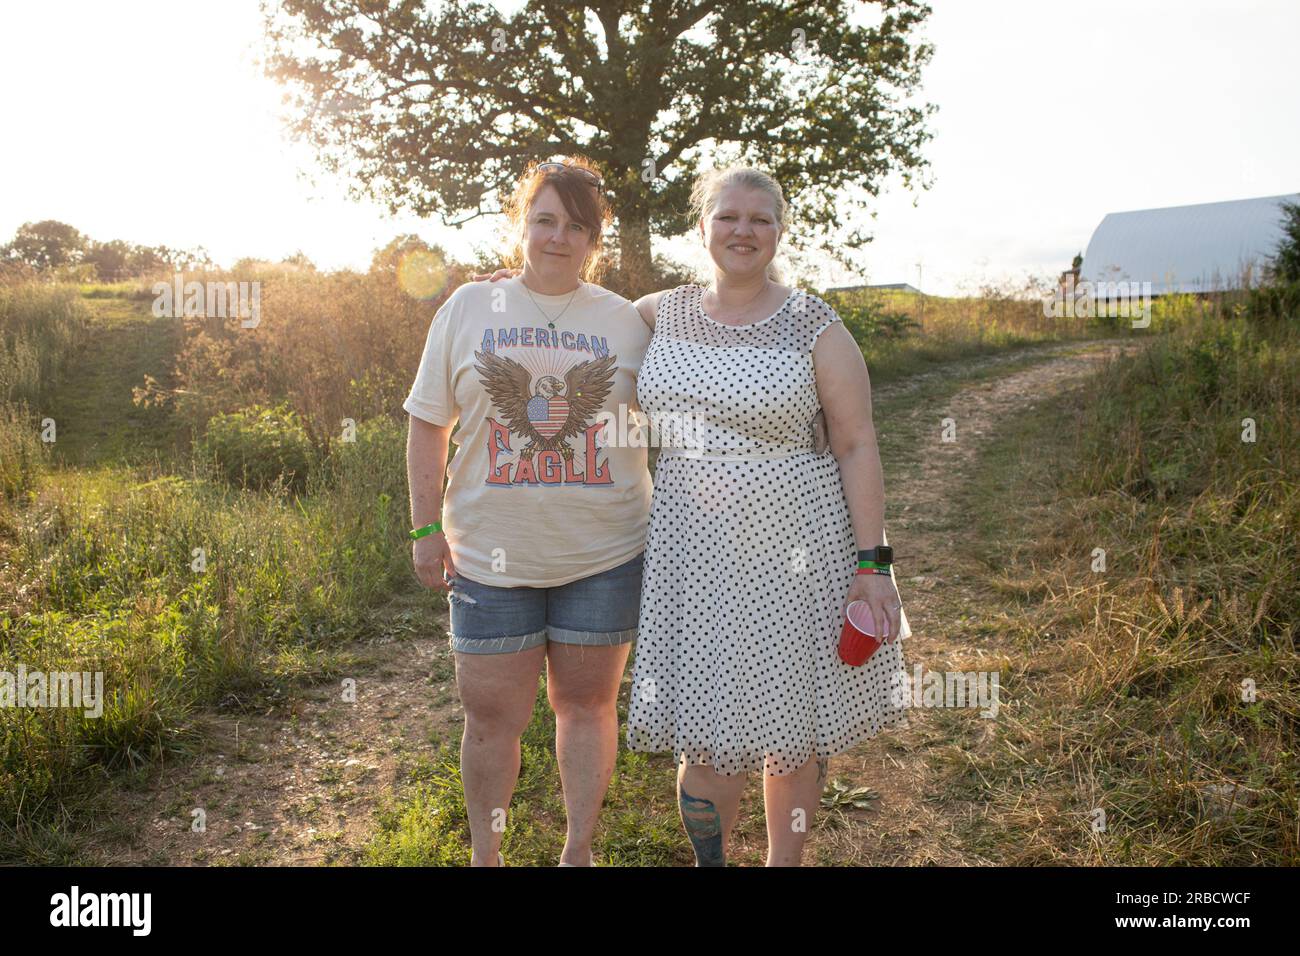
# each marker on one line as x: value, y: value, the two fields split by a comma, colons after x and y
x: 544, y: 521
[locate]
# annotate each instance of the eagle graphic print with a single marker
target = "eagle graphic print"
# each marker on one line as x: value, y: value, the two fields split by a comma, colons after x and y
x: 544, y: 434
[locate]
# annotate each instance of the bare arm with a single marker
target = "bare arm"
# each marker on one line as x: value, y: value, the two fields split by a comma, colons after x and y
x: 647, y: 305
x: 426, y: 468
x: 844, y: 388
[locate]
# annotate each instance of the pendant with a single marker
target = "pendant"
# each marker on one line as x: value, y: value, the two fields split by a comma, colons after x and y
x: 551, y: 324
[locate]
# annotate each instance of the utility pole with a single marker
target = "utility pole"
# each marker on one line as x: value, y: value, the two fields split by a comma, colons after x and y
x: 919, y: 294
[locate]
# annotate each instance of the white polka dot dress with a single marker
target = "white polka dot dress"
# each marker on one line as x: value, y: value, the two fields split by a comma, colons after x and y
x: 749, y: 554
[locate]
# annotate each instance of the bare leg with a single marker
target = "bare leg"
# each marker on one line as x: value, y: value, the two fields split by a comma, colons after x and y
x: 709, y: 804
x: 582, y: 684
x: 498, y: 692
x: 791, y: 802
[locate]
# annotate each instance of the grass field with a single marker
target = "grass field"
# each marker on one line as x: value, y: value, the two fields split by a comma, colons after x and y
x: 1125, y: 686
x: 1161, y: 687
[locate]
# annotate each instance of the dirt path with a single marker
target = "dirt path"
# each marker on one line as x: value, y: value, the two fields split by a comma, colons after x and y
x: 911, y: 823
x: 300, y: 784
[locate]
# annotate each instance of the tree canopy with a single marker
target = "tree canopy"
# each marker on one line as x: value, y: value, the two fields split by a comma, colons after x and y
x: 1285, y: 266
x: 436, y: 110
x: 47, y: 244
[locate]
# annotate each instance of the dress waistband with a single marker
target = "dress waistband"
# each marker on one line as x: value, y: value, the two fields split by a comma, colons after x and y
x: 731, y: 455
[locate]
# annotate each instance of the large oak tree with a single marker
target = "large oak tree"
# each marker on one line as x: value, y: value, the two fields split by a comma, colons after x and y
x: 435, y: 109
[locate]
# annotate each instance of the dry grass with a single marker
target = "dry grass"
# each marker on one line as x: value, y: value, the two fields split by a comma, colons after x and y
x: 1153, y: 712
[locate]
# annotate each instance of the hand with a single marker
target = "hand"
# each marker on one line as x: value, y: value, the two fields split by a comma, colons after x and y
x: 881, y: 595
x: 432, y: 557
x: 499, y: 274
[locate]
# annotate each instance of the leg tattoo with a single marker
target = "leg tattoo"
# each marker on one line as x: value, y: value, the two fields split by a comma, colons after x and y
x: 703, y: 826
x: 823, y: 767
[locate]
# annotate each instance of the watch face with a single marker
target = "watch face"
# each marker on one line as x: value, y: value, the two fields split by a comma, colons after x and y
x: 885, y: 553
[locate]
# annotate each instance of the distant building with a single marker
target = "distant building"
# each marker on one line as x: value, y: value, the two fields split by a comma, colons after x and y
x: 887, y: 287
x: 1207, y: 247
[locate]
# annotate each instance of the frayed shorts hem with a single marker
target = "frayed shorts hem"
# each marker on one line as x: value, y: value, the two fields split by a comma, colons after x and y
x: 524, y: 642
x: 497, y: 645
x: 562, y: 635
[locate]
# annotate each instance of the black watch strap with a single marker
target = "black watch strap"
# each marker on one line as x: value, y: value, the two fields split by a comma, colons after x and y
x: 883, y: 554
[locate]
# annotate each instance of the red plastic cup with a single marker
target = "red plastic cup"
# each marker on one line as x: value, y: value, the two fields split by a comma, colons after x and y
x: 857, y: 643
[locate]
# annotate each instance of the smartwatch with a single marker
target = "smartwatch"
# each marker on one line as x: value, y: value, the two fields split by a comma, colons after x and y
x: 883, y: 554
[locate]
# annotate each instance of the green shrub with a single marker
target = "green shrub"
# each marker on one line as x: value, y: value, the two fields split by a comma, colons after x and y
x: 1285, y: 267
x: 364, y: 482
x: 372, y: 461
x: 1280, y: 301
x: 867, y: 317
x: 259, y: 447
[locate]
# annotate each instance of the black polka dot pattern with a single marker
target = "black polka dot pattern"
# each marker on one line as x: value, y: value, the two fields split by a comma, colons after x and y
x: 748, y: 559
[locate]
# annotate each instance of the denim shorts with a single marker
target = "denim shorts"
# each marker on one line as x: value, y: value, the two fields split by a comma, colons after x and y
x: 598, y: 610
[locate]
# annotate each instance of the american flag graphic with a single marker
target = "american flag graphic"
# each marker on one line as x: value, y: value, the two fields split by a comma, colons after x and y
x: 548, y: 415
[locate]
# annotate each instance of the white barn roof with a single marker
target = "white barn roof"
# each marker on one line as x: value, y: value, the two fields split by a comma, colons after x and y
x: 1199, y: 248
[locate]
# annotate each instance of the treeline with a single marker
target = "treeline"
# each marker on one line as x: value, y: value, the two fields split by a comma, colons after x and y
x: 52, y: 248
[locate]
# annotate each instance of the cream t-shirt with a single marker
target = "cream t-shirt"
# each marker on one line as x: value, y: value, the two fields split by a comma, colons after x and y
x: 537, y: 496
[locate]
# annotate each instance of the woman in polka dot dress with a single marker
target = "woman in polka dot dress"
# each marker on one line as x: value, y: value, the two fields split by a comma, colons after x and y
x: 752, y: 550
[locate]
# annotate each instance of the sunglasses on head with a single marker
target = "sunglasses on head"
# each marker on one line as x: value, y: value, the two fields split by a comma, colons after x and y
x: 586, y: 174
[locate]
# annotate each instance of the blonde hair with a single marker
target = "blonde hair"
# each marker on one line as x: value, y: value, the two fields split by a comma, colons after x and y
x: 711, y: 182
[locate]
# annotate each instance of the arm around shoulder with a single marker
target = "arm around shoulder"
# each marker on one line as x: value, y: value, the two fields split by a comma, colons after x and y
x: 647, y: 305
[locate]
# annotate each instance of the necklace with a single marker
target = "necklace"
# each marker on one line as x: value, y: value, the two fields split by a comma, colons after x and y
x: 761, y: 292
x: 549, y: 321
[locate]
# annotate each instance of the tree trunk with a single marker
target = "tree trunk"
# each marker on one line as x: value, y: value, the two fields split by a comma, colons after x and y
x: 636, y: 269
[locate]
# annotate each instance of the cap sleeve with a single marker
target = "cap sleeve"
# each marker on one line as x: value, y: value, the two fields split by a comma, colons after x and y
x: 822, y: 318
x: 433, y: 397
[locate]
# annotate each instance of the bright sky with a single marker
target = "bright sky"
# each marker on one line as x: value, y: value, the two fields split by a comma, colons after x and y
x: 148, y: 120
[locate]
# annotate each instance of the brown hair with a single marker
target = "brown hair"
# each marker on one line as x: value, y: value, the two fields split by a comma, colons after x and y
x: 583, y: 202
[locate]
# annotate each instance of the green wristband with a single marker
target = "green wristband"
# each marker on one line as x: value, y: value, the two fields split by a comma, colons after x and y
x: 435, y: 528
x: 873, y: 564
